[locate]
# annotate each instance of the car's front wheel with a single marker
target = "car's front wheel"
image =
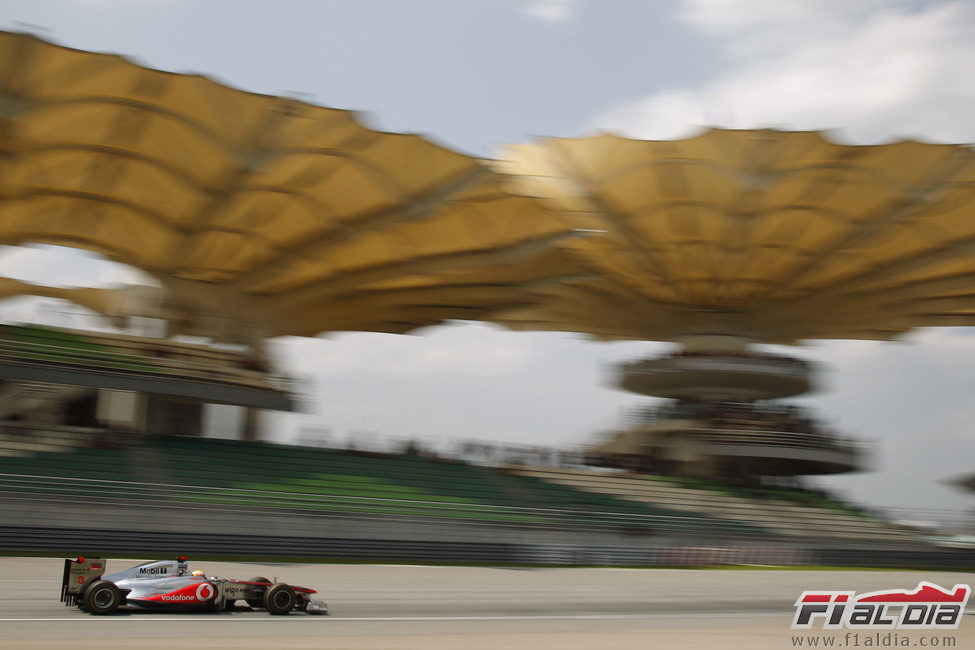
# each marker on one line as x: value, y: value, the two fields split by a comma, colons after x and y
x: 101, y: 598
x: 279, y: 599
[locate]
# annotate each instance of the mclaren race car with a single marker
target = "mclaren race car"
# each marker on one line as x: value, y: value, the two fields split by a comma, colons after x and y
x: 169, y: 584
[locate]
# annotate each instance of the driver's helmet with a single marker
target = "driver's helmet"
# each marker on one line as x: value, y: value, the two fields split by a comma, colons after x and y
x: 198, y: 574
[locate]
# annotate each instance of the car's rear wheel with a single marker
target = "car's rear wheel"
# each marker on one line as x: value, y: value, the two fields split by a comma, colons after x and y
x: 80, y: 601
x: 254, y: 596
x: 101, y: 598
x: 279, y: 599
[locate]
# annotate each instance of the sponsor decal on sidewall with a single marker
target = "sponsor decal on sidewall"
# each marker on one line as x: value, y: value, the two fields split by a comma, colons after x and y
x: 205, y: 592
x: 153, y: 571
x: 200, y: 593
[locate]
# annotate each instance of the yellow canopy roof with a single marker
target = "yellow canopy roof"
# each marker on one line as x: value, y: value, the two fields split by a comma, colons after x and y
x: 772, y: 235
x: 264, y: 216
x: 260, y: 215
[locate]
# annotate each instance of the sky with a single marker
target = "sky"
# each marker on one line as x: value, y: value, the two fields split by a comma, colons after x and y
x: 475, y: 74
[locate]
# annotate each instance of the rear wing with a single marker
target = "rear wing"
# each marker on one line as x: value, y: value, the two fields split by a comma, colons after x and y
x: 78, y: 573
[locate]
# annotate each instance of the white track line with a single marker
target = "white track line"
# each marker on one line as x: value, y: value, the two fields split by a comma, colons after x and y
x: 394, y: 619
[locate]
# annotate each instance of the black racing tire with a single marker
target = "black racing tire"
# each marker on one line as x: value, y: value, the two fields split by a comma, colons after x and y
x: 279, y: 599
x: 80, y: 600
x: 102, y: 598
x: 254, y: 596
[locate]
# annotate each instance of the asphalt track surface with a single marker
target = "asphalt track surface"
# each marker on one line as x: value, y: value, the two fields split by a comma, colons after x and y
x: 410, y: 607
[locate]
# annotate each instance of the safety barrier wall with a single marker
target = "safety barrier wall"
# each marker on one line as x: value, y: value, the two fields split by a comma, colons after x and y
x: 945, y: 558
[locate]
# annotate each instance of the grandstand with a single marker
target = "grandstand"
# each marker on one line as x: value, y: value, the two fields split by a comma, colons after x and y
x: 126, y: 353
x: 89, y: 378
x: 781, y: 512
x: 229, y: 472
x: 221, y: 472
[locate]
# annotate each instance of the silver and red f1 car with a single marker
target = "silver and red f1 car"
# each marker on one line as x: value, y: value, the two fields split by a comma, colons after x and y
x: 169, y: 584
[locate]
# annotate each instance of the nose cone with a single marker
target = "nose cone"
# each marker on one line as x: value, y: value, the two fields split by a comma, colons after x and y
x: 317, y: 607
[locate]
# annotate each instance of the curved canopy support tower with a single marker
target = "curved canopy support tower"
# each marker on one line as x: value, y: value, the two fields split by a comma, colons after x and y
x: 735, y: 238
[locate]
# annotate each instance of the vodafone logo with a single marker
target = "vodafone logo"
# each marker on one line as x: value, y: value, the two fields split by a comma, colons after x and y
x: 205, y: 591
x: 192, y: 593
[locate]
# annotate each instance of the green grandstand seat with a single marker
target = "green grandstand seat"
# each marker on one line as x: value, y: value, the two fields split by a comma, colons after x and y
x: 301, y: 477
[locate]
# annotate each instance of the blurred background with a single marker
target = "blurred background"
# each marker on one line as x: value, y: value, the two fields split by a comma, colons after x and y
x: 237, y: 320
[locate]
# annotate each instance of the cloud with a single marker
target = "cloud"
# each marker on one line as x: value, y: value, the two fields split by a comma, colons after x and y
x: 551, y: 11
x: 461, y: 381
x: 57, y: 266
x: 876, y: 70
x: 401, y: 358
x: 910, y: 401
